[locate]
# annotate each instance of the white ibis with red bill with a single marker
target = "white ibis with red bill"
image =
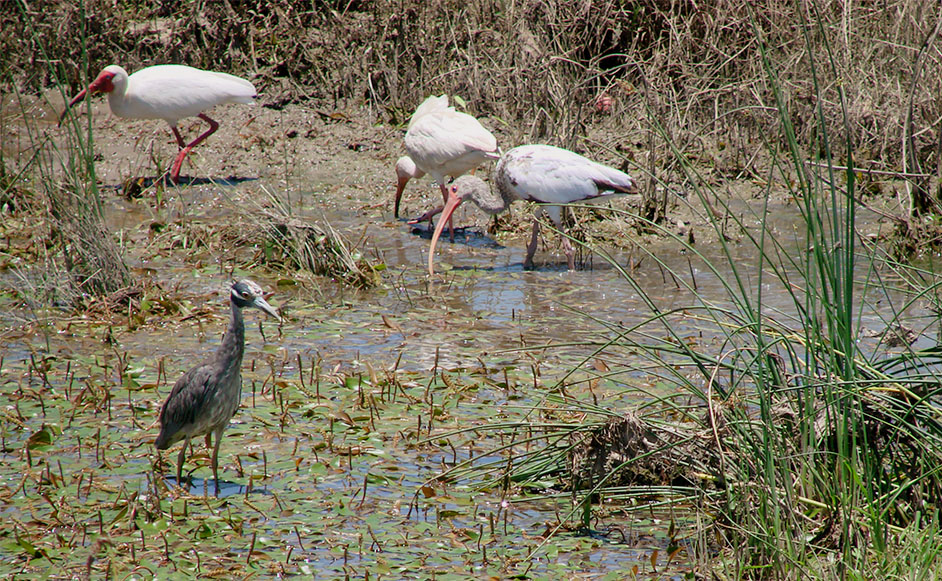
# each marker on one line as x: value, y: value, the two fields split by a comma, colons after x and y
x: 537, y: 173
x: 171, y: 93
x: 442, y: 142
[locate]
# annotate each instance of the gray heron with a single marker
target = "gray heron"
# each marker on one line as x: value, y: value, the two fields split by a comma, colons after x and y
x: 207, y: 396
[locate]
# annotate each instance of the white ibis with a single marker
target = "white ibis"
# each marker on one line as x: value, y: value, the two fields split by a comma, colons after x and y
x: 442, y: 142
x: 538, y: 173
x: 405, y: 167
x: 171, y: 93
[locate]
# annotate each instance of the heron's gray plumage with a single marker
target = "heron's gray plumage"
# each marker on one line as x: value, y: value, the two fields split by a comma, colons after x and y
x: 206, y: 397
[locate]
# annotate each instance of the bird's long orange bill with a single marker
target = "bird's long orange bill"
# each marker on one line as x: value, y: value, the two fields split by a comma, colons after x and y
x: 101, y: 84
x: 400, y: 186
x: 453, y: 201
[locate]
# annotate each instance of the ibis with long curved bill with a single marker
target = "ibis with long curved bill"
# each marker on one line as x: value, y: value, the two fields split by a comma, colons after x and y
x: 539, y: 173
x: 171, y: 93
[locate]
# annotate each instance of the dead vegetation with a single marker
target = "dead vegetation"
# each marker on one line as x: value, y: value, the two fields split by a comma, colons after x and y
x: 691, y: 71
x: 627, y: 450
x: 91, y: 257
x: 64, y: 229
x: 296, y: 243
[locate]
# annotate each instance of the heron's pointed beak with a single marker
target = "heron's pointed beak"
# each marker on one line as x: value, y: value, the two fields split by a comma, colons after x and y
x: 454, y: 200
x: 262, y: 304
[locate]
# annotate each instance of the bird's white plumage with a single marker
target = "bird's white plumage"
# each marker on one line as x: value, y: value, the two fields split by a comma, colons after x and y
x: 444, y: 142
x: 550, y: 175
x: 540, y: 173
x: 174, y: 92
x: 429, y: 105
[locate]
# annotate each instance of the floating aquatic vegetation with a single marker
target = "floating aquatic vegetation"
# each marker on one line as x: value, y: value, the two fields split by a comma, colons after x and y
x: 323, y: 459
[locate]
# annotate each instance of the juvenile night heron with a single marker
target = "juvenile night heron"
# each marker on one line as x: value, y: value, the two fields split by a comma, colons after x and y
x: 207, y: 396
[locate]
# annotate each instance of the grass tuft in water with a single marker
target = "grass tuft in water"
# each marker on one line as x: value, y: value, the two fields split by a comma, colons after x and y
x: 86, y: 262
x: 314, y: 247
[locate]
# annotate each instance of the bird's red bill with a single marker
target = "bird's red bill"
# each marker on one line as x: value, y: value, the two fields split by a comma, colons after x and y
x: 102, y: 84
x: 454, y: 200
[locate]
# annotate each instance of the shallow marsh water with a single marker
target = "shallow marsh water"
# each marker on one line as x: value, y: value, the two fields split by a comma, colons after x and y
x: 330, y: 466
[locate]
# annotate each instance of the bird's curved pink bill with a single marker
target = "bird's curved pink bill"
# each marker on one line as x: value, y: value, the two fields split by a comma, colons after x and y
x: 454, y: 200
x: 400, y: 187
x: 101, y: 84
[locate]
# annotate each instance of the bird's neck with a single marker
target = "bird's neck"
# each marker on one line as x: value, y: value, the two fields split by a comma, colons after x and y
x: 490, y: 203
x: 233, y: 342
x: 117, y: 100
x: 484, y: 196
x: 117, y: 103
x: 506, y: 193
x: 493, y: 203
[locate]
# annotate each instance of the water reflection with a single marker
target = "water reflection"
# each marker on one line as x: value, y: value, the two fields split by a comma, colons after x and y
x: 208, y: 487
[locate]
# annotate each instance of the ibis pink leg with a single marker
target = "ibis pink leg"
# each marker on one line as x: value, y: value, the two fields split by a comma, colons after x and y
x: 428, y: 215
x: 176, y: 133
x: 178, y: 163
x: 570, y: 253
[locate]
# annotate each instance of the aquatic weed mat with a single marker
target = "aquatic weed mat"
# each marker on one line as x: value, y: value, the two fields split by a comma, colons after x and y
x: 319, y: 467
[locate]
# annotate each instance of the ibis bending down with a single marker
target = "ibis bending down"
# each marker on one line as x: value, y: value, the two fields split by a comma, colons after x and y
x: 442, y: 142
x: 171, y: 93
x: 538, y: 173
x: 207, y: 396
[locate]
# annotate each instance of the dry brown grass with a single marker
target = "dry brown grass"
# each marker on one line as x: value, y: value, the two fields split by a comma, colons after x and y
x: 647, y: 73
x: 300, y: 243
x: 539, y: 65
x: 81, y: 260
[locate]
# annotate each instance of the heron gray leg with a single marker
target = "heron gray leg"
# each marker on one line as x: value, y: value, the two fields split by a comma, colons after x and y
x: 180, y: 457
x: 531, y: 247
x: 218, y: 434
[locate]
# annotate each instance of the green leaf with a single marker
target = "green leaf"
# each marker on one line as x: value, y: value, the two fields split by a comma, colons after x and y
x: 43, y: 437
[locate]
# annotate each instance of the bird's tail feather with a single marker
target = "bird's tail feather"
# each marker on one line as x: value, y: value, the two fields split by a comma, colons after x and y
x: 622, y: 188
